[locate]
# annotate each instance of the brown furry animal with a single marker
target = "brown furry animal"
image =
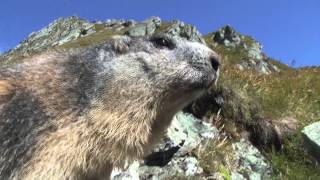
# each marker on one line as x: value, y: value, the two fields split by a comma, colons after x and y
x: 76, y: 114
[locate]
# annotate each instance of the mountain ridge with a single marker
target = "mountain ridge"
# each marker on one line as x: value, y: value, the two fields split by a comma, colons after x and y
x: 65, y: 30
x: 256, y: 95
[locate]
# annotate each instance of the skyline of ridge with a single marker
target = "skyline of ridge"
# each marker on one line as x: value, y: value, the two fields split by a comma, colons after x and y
x: 287, y: 30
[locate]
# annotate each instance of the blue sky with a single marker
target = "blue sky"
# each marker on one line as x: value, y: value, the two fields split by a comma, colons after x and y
x: 288, y: 29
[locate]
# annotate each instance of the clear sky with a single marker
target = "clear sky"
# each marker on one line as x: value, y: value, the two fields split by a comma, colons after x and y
x: 288, y: 29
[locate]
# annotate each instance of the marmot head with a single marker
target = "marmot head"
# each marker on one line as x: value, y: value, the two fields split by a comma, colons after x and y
x: 168, y: 68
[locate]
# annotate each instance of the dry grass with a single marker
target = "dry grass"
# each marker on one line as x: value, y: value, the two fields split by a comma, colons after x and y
x: 217, y: 155
x: 292, y: 93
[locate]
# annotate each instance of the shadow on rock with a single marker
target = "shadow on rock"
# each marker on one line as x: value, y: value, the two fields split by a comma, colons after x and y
x: 162, y: 157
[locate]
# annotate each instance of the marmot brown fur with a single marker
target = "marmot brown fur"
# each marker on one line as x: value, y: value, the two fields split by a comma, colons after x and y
x: 77, y: 113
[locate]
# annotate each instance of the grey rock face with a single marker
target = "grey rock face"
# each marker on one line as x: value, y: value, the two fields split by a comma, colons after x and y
x: 185, y: 30
x: 58, y: 32
x: 227, y: 36
x: 173, y: 156
x: 255, y: 51
x: 255, y: 59
x: 312, y: 138
x: 117, y: 22
x: 146, y: 28
x: 260, y: 66
x: 68, y: 29
x: 251, y: 163
x: 72, y: 28
x: 153, y: 20
x: 140, y: 30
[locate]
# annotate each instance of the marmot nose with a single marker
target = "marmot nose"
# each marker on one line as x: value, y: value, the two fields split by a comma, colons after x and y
x: 215, y: 62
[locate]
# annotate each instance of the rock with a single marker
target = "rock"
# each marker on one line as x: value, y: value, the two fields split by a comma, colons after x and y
x: 257, y: 60
x: 119, y: 22
x: 139, y: 30
x: 146, y: 28
x: 311, y: 134
x: 185, y: 127
x: 58, y: 32
x: 260, y: 66
x: 255, y: 51
x: 187, y: 31
x: 139, y: 170
x: 263, y: 68
x: 254, y: 57
x: 173, y: 157
x: 251, y: 163
x: 240, y: 67
x: 227, y: 36
x: 153, y: 20
x: 151, y: 24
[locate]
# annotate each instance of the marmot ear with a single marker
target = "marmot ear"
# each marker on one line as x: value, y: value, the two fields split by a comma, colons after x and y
x: 120, y: 44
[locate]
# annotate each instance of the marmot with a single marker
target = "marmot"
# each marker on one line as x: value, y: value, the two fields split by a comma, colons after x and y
x: 77, y: 113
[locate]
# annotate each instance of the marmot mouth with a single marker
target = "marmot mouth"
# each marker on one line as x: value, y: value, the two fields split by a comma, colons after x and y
x: 206, y: 83
x: 212, y: 79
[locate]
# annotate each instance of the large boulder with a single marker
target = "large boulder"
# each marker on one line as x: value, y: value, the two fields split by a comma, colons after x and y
x: 227, y: 36
x: 248, y: 50
x: 179, y: 28
x: 311, y: 134
x: 147, y: 27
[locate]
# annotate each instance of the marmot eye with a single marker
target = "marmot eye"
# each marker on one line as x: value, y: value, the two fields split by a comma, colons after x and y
x: 163, y: 42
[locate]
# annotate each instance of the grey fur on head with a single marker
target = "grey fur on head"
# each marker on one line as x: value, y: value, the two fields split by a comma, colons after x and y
x: 77, y: 113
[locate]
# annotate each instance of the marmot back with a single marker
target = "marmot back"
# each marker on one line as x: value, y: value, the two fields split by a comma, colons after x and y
x: 77, y: 113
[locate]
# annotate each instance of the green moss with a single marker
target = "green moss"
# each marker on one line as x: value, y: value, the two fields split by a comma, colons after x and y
x: 225, y: 173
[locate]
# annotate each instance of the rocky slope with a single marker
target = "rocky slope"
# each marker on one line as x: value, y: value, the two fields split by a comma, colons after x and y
x: 246, y: 128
